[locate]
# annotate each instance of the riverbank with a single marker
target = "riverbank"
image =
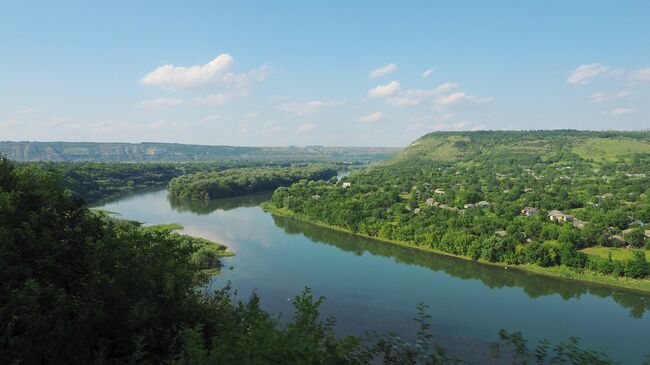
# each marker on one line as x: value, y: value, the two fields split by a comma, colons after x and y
x: 208, y: 254
x: 560, y: 272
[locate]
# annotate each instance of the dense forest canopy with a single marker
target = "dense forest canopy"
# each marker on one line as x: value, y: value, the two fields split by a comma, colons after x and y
x: 173, y: 152
x: 234, y: 182
x: 537, y: 197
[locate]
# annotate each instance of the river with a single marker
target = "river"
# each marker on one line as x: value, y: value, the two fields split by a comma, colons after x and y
x: 371, y: 285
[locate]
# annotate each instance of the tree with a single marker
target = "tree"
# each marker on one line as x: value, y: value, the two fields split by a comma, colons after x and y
x: 636, y: 237
x: 637, y: 267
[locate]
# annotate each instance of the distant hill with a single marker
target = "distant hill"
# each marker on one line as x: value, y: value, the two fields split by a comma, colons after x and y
x: 609, y: 146
x: 171, y: 152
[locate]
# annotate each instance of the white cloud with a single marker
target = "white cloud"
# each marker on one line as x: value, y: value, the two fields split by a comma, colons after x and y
x: 621, y: 111
x: 410, y: 97
x: 601, y: 97
x: 382, y: 71
x: 221, y: 98
x: 641, y: 74
x: 374, y: 117
x: 179, y: 77
x: 29, y: 111
x: 384, y: 90
x: 306, y: 127
x: 311, y: 107
x: 428, y: 72
x: 617, y: 73
x: 438, y: 96
x: 460, y: 98
x: 446, y: 87
x: 245, y: 79
x: 584, y: 73
x: 159, y: 103
x: 216, y: 71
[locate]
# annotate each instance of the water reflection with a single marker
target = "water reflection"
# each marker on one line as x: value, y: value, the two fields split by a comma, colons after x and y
x: 205, y: 207
x: 493, y: 277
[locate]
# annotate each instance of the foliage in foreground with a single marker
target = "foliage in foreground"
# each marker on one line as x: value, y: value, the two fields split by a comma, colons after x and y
x: 78, y: 288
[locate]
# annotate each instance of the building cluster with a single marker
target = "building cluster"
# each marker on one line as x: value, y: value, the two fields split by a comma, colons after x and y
x: 433, y: 203
x: 556, y: 216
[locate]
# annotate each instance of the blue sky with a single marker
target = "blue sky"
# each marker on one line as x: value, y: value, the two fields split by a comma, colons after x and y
x: 337, y: 73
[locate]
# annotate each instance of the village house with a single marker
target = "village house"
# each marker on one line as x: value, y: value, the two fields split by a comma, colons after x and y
x: 528, y: 211
x: 346, y: 184
x: 528, y: 190
x: 439, y: 191
x: 417, y: 210
x: 468, y: 206
x: 647, y: 233
x: 501, y: 233
x: 557, y: 216
x: 607, y: 195
x: 430, y: 201
x: 483, y: 204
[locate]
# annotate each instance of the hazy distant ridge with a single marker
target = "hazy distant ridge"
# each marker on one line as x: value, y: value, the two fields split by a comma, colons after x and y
x: 171, y: 152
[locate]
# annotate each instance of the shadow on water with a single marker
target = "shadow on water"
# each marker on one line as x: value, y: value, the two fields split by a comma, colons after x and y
x: 491, y: 276
x: 205, y: 207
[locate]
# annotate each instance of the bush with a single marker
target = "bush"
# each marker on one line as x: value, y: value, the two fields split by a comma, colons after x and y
x: 637, y: 266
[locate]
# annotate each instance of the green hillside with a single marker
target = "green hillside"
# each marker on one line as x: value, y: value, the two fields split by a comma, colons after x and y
x: 536, y: 199
x: 588, y: 145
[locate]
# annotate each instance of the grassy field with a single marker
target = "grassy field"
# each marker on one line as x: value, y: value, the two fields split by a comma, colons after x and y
x: 164, y: 227
x: 610, y: 149
x: 617, y: 253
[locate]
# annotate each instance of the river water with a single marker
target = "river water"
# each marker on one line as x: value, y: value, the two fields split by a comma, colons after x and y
x: 371, y: 285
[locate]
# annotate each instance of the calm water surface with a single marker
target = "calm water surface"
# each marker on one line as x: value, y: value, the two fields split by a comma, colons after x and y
x: 370, y: 285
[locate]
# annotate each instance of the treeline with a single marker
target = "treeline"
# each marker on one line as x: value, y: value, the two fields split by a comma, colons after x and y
x: 94, y: 181
x: 234, y: 182
x: 474, y: 204
x: 77, y: 287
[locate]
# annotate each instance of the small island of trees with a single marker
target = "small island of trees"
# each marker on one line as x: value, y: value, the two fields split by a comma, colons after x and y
x: 235, y: 182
